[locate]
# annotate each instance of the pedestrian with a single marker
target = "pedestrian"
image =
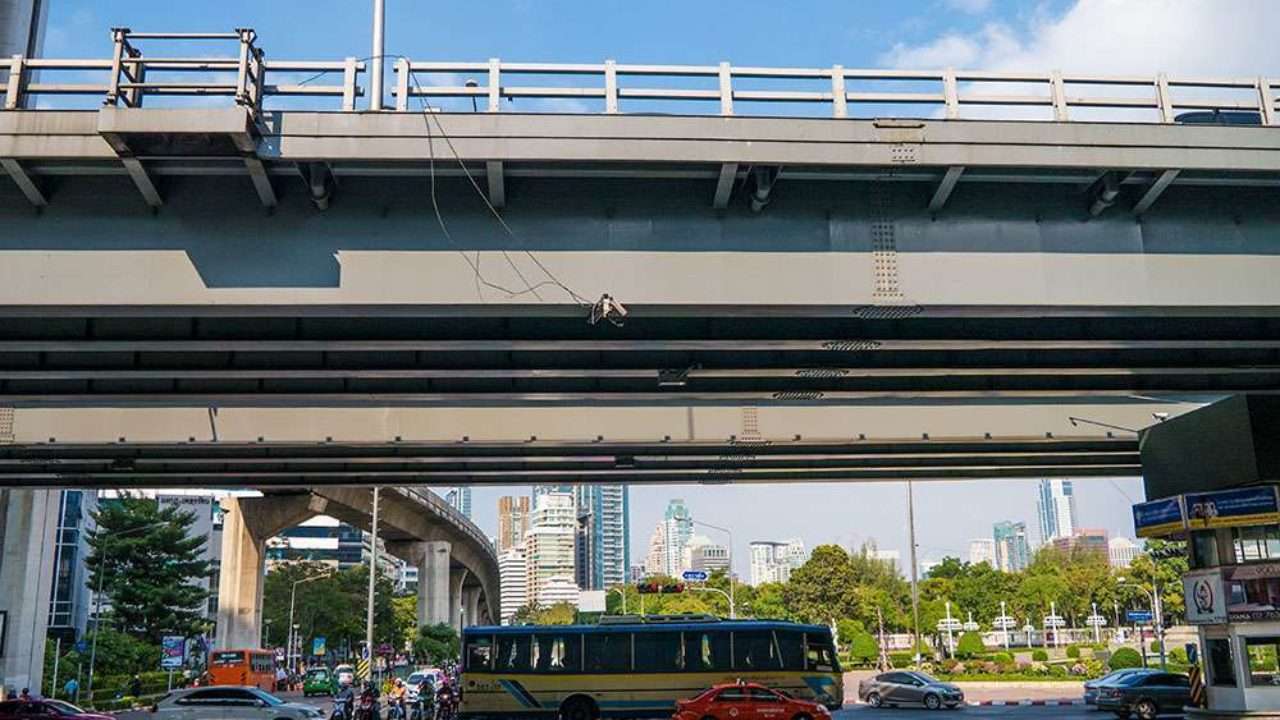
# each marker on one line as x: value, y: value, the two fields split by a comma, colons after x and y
x: 72, y: 690
x: 25, y: 695
x: 281, y: 679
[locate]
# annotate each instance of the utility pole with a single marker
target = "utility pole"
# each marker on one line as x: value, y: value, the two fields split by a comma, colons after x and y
x: 915, y: 586
x: 373, y: 574
x: 379, y: 50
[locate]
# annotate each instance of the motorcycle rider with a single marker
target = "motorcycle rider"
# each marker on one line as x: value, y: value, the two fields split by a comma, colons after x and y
x: 446, y: 700
x: 426, y: 705
x: 368, y: 708
x: 395, y: 700
x: 342, y: 703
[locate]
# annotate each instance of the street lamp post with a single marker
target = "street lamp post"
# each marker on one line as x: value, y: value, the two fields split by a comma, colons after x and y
x: 1156, y: 616
x: 621, y: 590
x: 732, y: 607
x: 726, y: 595
x: 379, y: 49
x: 97, y: 598
x: 293, y: 629
x: 915, y: 585
x: 373, y: 574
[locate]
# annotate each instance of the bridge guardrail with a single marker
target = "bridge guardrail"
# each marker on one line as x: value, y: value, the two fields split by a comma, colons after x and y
x: 620, y: 87
x: 440, y: 506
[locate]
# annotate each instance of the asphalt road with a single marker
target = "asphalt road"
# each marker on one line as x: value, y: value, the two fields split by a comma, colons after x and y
x: 861, y: 712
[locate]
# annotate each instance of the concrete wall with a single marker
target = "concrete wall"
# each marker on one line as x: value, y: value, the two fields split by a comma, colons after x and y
x: 22, y: 26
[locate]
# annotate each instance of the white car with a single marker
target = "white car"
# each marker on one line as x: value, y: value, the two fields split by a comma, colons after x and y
x: 222, y: 702
x: 415, y: 679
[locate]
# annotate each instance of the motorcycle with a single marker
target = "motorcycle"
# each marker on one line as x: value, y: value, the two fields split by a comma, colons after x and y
x: 446, y: 704
x: 367, y: 707
x: 341, y: 707
x: 424, y: 707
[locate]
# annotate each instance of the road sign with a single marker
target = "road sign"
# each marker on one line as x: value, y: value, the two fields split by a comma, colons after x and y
x: 1005, y: 622
x: 1054, y: 621
x: 1140, y: 617
x: 1096, y: 621
x: 951, y: 624
x: 695, y: 576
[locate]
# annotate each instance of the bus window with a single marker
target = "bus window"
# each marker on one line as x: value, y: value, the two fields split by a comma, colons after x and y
x: 557, y: 653
x: 608, y: 652
x: 820, y: 655
x: 754, y: 650
x: 791, y: 644
x: 228, y: 657
x: 513, y: 653
x: 479, y: 654
x: 659, y: 652
x: 706, y: 651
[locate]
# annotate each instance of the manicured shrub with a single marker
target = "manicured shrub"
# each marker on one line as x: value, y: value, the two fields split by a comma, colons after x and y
x: 1039, y: 655
x: 1073, y: 651
x: 1125, y: 658
x: 864, y: 650
x: 970, y: 646
x: 1003, y: 658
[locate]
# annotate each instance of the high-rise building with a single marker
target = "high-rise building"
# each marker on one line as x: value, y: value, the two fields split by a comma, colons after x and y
x: 655, y: 562
x: 678, y: 528
x: 513, y: 581
x: 770, y: 562
x: 1056, y: 508
x: 1085, y: 540
x: 550, y: 546
x: 513, y: 521
x: 702, y: 554
x: 982, y: 550
x: 1121, y: 551
x: 460, y: 499
x: 795, y: 554
x: 604, y: 532
x: 69, y: 596
x: 1012, y: 551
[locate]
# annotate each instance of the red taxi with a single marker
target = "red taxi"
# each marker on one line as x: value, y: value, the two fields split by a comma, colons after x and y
x: 747, y: 701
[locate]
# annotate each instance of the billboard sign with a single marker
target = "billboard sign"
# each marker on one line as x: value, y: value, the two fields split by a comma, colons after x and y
x: 1232, y: 508
x: 1253, y: 592
x: 1158, y: 517
x: 317, y: 646
x: 173, y: 649
x: 1205, y: 597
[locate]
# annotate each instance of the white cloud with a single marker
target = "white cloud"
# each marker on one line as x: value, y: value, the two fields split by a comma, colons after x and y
x: 1185, y: 37
x: 973, y: 7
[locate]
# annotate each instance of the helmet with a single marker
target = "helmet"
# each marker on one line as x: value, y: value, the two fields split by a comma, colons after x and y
x: 399, y: 682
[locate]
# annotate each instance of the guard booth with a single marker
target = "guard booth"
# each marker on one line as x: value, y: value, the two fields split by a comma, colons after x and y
x: 1213, y: 479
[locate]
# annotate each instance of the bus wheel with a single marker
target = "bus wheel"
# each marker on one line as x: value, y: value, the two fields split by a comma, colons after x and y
x: 578, y: 708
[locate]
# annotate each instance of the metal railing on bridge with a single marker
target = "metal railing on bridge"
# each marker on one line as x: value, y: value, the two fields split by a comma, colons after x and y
x: 441, y: 507
x: 610, y: 87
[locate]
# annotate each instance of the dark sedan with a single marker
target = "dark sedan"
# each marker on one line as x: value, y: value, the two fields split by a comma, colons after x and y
x: 1146, y: 695
x: 1093, y: 687
x: 907, y: 687
x: 30, y: 709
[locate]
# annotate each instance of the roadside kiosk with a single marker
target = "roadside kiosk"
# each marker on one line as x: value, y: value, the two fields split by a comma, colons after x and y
x: 1214, y: 479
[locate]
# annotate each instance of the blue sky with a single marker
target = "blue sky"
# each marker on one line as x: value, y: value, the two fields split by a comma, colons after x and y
x: 1200, y: 37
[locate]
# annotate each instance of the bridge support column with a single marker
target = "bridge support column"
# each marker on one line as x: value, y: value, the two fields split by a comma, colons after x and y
x: 29, y: 522
x: 471, y: 602
x: 432, y: 559
x: 456, y: 580
x: 247, y: 524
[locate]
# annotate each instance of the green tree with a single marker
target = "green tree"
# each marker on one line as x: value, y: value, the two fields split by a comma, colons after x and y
x: 766, y: 602
x: 332, y: 606
x: 864, y: 650
x: 822, y: 590
x: 558, y: 614
x: 141, y: 555
x: 1163, y: 564
x: 118, y: 654
x: 436, y: 644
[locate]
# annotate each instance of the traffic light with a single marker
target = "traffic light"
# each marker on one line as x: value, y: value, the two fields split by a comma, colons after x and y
x: 657, y: 588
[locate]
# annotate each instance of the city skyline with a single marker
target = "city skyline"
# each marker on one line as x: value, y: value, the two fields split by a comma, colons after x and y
x: 851, y: 514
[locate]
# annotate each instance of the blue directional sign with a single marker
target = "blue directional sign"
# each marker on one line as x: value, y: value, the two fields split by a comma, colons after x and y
x: 1231, y: 508
x: 694, y: 576
x: 1158, y: 518
x: 1139, y: 617
x: 81, y: 645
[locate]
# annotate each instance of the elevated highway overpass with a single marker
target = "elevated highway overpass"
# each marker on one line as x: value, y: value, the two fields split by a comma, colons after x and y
x: 282, y: 291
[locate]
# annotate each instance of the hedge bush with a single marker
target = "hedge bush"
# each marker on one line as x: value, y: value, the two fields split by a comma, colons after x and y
x: 1073, y: 651
x: 970, y: 646
x: 1039, y: 655
x: 1125, y: 658
x: 900, y: 659
x: 1002, y: 658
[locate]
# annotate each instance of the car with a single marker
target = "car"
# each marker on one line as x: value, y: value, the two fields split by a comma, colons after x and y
x: 345, y: 674
x: 1093, y: 687
x: 11, y: 709
x: 908, y: 687
x: 318, y: 681
x: 1146, y: 695
x: 415, y: 679
x: 744, y: 701
x: 223, y: 702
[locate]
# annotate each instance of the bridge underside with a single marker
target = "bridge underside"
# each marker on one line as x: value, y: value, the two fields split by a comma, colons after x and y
x: 513, y: 355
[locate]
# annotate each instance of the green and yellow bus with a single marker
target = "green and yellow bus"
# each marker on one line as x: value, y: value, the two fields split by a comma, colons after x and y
x: 638, y: 669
